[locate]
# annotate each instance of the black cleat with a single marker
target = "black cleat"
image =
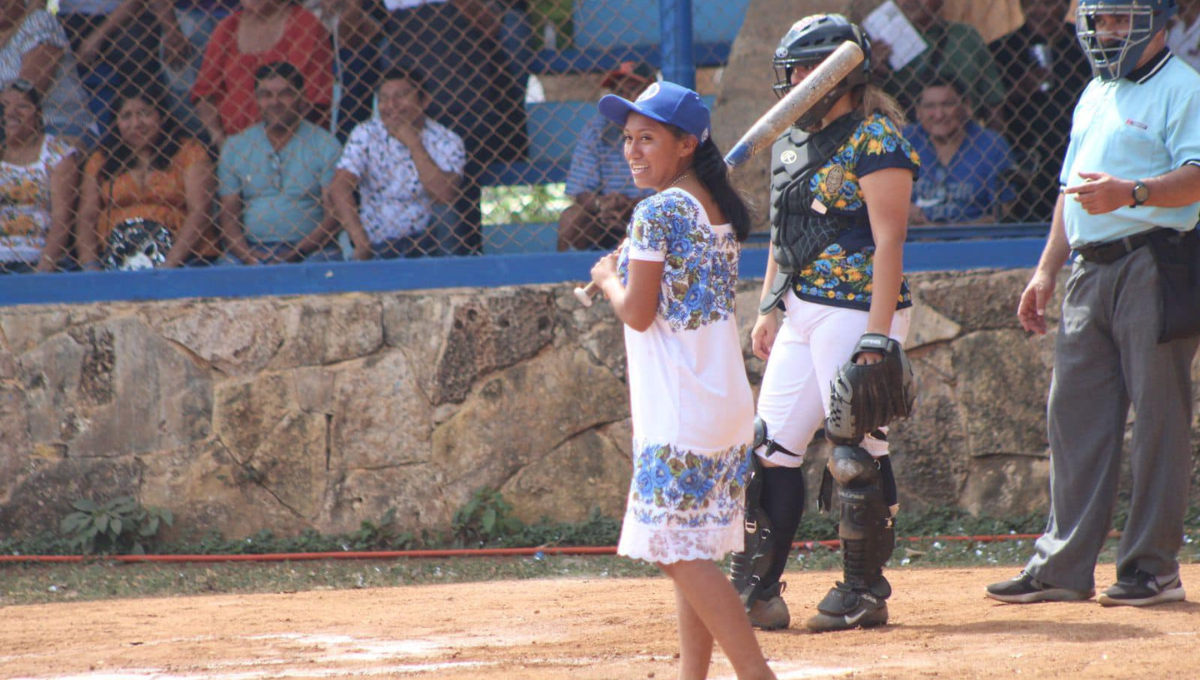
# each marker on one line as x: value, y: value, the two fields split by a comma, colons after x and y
x: 1025, y: 589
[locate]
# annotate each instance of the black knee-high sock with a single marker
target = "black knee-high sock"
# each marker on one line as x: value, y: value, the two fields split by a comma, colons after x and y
x: 887, y: 481
x: 783, y: 501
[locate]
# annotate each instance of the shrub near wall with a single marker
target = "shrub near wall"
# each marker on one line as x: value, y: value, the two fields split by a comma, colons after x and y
x: 323, y: 411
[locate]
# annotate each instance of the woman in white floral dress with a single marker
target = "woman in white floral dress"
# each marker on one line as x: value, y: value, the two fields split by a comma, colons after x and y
x: 673, y: 284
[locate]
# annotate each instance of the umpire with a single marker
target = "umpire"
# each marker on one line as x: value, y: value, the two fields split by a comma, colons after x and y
x: 1128, y: 209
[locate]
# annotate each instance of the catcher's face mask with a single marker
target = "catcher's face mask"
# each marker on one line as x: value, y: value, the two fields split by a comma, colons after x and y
x: 1115, y: 35
x: 805, y: 46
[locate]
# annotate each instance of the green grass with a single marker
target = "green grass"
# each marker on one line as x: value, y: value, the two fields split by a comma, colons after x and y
x: 483, y: 522
x: 524, y: 203
x: 101, y: 580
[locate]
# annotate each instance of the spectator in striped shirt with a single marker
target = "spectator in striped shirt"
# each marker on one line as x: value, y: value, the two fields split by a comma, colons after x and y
x: 599, y: 179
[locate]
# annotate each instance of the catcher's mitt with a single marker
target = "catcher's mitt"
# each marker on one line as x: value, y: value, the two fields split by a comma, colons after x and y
x: 865, y: 397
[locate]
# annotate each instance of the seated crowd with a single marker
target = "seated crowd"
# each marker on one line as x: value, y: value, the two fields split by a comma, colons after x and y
x: 200, y: 132
x: 224, y: 132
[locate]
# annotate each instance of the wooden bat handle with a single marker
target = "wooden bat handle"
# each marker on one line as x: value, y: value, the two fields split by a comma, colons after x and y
x: 586, y: 293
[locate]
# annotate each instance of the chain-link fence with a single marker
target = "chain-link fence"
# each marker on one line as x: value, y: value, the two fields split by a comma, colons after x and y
x: 207, y: 132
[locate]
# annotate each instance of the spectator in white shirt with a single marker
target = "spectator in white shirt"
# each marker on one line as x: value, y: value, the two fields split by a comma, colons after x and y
x: 401, y: 163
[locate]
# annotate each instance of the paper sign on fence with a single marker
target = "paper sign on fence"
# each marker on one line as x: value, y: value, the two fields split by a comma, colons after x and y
x: 888, y: 24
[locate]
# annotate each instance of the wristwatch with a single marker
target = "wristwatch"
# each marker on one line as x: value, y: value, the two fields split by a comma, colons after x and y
x: 1141, y: 193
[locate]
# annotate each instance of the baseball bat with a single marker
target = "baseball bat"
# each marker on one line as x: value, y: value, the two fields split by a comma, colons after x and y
x: 771, y: 124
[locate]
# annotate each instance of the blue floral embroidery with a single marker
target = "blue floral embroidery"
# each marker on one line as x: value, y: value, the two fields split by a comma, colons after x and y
x: 699, y: 266
x: 674, y: 487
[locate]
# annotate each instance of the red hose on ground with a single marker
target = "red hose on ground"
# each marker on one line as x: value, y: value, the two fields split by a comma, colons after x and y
x: 394, y: 554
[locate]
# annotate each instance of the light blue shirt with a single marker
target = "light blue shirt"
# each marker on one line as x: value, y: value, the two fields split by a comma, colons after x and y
x: 281, y: 191
x: 1133, y: 129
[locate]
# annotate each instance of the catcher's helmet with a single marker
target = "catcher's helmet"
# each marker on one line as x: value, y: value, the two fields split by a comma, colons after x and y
x: 1112, y: 55
x: 808, y: 43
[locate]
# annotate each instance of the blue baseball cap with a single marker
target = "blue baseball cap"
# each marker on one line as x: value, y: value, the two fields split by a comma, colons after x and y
x: 665, y: 102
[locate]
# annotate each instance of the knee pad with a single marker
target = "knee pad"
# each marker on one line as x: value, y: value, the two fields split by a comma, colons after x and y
x: 760, y: 433
x: 763, y: 440
x: 852, y: 467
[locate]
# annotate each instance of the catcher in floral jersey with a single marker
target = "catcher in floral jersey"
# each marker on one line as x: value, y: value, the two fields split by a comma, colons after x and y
x: 834, y: 293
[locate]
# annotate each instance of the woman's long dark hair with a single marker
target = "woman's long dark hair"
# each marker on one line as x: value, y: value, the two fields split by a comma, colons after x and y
x: 118, y: 157
x: 709, y: 166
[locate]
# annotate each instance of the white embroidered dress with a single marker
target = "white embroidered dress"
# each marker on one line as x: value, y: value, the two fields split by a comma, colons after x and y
x: 693, y: 413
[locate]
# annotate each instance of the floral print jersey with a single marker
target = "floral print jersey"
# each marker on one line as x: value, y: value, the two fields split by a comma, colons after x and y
x: 841, y: 276
x: 693, y: 413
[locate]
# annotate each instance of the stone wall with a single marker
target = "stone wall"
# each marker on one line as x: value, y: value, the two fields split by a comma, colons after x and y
x: 323, y: 411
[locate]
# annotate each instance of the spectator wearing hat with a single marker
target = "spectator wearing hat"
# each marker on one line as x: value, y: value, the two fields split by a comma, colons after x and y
x: 599, y: 180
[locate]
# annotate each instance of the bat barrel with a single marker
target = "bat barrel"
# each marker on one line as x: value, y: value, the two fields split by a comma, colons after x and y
x: 800, y: 99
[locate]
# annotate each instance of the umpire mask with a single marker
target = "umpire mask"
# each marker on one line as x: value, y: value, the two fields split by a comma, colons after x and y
x: 808, y: 43
x: 1114, y: 54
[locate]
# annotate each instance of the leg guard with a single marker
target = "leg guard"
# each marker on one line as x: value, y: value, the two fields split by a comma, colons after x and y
x: 755, y: 570
x: 747, y: 568
x: 868, y: 538
x: 866, y: 529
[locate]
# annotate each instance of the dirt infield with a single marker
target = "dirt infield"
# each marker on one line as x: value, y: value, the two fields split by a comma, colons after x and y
x: 592, y: 629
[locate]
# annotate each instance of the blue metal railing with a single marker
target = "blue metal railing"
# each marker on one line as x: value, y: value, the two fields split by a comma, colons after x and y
x: 930, y: 249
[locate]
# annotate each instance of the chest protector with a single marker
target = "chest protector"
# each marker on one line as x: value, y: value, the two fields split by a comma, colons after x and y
x: 801, y: 225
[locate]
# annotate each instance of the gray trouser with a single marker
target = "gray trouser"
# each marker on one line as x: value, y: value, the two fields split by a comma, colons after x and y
x: 1107, y: 358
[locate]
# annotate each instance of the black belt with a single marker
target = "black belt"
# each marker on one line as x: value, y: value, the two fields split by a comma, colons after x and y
x: 1111, y: 251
